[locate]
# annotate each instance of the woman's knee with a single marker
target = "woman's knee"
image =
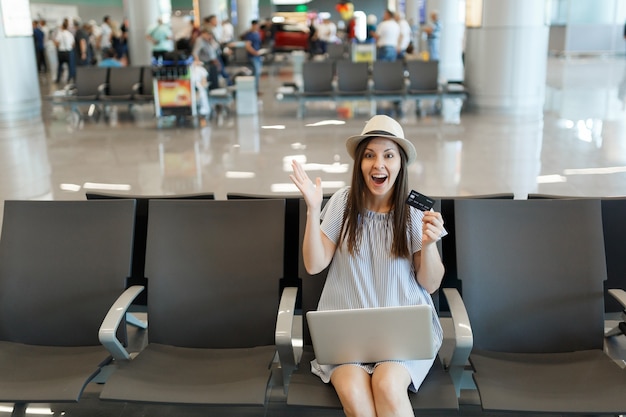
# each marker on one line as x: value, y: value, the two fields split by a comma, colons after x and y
x: 390, y: 384
x: 354, y: 390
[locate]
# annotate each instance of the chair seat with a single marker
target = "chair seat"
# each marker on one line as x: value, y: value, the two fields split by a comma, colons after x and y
x: 175, y: 375
x: 74, y: 98
x: 118, y: 97
x: 305, y: 389
x: 544, y: 382
x: 31, y: 373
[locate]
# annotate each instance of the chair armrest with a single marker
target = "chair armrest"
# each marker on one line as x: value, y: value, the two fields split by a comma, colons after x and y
x: 463, y: 337
x: 619, y: 295
x: 102, y: 89
x: 284, y: 334
x: 110, y: 324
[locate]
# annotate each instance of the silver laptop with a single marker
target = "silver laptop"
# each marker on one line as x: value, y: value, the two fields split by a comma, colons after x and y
x: 372, y: 334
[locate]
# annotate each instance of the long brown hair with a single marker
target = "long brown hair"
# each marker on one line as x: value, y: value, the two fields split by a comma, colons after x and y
x: 355, y: 207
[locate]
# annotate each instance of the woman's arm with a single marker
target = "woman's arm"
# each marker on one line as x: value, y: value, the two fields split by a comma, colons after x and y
x: 427, y: 262
x: 317, y: 248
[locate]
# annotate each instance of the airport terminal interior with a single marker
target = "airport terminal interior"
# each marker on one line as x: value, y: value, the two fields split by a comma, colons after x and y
x: 577, y: 148
x: 574, y: 147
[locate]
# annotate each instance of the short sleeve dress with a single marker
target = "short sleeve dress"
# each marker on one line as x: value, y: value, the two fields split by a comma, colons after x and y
x: 372, y: 277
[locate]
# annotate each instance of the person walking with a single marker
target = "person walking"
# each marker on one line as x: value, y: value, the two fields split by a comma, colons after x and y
x: 387, y: 37
x: 252, y: 40
x: 40, y: 48
x: 433, y: 32
x: 64, y: 41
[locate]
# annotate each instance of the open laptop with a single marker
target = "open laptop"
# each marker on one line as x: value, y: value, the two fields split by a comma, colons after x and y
x: 372, y: 334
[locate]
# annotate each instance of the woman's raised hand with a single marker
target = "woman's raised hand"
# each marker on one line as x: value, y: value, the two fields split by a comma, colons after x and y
x: 311, y: 191
x: 432, y: 227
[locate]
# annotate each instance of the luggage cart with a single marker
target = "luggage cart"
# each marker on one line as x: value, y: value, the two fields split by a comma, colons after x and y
x: 174, y: 92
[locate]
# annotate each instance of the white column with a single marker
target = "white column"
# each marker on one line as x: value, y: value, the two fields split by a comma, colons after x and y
x: 143, y: 14
x: 19, y: 85
x: 247, y: 11
x: 411, y: 13
x: 451, y: 42
x: 207, y: 8
x: 506, y: 58
x: 24, y: 159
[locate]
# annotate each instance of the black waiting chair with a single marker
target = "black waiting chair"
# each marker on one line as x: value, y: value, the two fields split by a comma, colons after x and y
x: 307, y: 390
x: 352, y: 79
x: 213, y: 268
x: 137, y: 272
x: 423, y: 78
x: 123, y: 84
x: 289, y: 277
x: 533, y: 274
x: 388, y: 80
x: 146, y: 90
x: 317, y: 83
x: 445, y: 205
x: 62, y: 265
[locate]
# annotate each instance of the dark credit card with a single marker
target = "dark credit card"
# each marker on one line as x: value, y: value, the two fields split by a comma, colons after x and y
x: 420, y: 201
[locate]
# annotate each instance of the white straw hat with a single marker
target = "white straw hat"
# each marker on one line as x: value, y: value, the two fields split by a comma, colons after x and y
x: 381, y: 126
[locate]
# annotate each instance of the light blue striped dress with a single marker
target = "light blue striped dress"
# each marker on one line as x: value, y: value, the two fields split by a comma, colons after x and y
x: 373, y: 278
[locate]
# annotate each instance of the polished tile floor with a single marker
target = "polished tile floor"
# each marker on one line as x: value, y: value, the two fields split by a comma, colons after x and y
x: 577, y: 147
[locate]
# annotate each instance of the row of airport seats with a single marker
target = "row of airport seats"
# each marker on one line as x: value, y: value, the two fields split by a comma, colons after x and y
x: 222, y: 328
x: 345, y: 80
x: 101, y: 87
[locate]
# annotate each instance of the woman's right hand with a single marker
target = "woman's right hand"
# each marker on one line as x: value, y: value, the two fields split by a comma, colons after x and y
x: 311, y: 191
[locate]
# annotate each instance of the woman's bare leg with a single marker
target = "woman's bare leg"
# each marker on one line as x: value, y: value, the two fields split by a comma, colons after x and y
x: 354, y: 388
x: 390, y: 383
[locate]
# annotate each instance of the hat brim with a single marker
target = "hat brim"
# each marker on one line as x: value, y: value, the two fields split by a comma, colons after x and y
x: 353, y: 142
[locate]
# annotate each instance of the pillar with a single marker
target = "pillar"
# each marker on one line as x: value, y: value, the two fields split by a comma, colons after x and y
x: 19, y: 85
x: 506, y: 57
x: 247, y: 11
x: 24, y: 158
x: 209, y: 7
x: 451, y: 42
x: 142, y: 15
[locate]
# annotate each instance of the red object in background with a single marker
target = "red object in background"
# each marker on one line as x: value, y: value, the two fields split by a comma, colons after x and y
x: 290, y: 37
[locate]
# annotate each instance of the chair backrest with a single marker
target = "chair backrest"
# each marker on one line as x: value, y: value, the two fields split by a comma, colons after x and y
x: 290, y: 275
x: 312, y: 285
x: 445, y: 205
x: 336, y: 51
x: 317, y: 77
x: 240, y: 55
x: 62, y: 265
x: 147, y: 85
x: 352, y: 77
x: 213, y: 269
x: 137, y: 274
x: 388, y: 77
x: 533, y: 273
x: 423, y: 75
x: 614, y: 226
x: 89, y: 80
x: 123, y: 80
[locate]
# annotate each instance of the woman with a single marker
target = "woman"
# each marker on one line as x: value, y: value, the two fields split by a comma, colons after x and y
x: 381, y: 252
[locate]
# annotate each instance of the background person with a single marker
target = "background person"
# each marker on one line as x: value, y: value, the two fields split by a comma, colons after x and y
x: 252, y: 40
x: 370, y: 217
x: 64, y: 41
x: 40, y: 47
x: 161, y: 38
x: 433, y: 33
x: 387, y: 37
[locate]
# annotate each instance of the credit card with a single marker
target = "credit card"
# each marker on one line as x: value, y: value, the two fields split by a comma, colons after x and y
x: 420, y: 201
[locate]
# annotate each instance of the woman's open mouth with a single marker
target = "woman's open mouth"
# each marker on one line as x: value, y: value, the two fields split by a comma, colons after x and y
x: 379, y: 179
